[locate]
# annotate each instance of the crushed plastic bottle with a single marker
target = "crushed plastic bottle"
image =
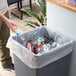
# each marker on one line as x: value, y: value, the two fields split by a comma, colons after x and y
x: 18, y: 32
x: 41, y: 39
x: 54, y: 44
x: 29, y: 46
x: 46, y: 47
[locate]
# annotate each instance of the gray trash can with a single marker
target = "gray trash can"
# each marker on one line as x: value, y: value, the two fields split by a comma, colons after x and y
x: 52, y: 63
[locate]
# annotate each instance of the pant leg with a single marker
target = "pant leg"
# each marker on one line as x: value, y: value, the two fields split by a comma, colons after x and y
x: 4, y: 35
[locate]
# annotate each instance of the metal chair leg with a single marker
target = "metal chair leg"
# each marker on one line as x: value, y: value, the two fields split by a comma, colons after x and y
x: 19, y: 7
x: 30, y: 4
x: 20, y: 10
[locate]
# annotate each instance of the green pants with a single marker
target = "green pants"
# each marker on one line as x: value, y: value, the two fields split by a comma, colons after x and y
x: 4, y: 35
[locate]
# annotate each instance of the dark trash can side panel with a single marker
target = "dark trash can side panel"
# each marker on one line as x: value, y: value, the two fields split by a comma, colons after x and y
x: 22, y: 69
x: 57, y: 68
x: 53, y: 69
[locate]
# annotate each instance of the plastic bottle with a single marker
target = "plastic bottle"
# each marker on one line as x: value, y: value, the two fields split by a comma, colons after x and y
x: 46, y: 47
x: 18, y: 32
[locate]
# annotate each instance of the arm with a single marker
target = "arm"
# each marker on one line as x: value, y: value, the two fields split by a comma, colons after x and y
x: 3, y: 17
x: 9, y: 22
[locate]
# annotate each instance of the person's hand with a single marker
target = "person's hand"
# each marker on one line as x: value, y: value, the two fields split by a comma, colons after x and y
x: 9, y: 11
x: 12, y: 25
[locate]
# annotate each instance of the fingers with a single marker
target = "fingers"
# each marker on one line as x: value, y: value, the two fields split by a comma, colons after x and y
x: 14, y: 24
x: 13, y: 29
x: 9, y: 11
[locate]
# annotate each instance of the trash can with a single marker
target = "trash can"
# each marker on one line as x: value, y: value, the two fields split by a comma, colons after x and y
x: 55, y: 62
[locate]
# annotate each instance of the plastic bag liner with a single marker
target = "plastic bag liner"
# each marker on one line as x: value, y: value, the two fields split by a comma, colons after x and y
x: 38, y: 61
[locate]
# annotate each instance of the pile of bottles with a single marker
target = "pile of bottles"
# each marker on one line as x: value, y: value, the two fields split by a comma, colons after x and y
x: 42, y: 44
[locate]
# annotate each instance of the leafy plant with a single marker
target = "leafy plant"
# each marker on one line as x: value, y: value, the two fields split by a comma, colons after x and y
x: 42, y: 5
x: 41, y: 17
